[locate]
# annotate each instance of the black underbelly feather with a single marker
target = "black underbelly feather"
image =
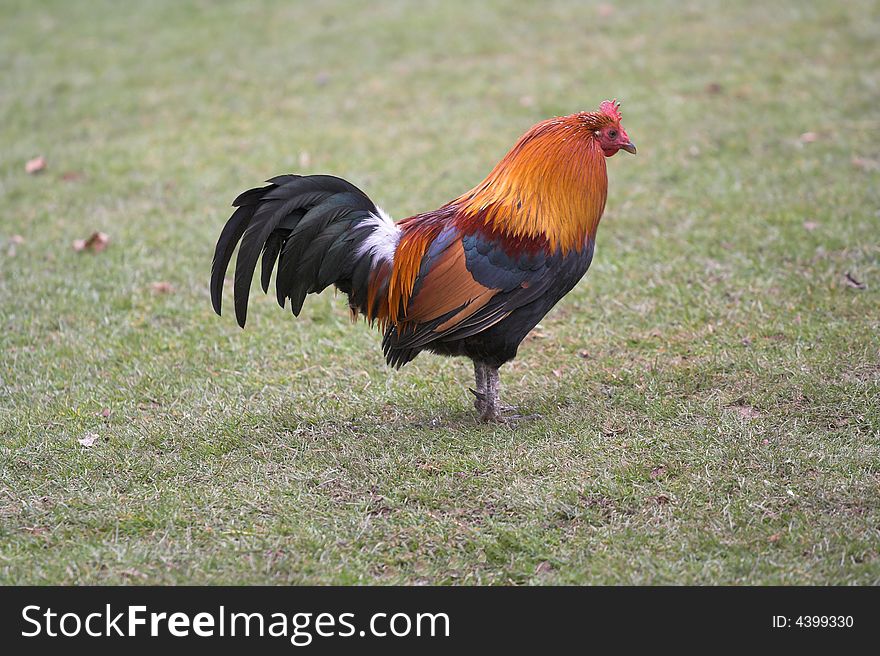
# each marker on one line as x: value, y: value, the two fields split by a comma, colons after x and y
x: 499, y: 343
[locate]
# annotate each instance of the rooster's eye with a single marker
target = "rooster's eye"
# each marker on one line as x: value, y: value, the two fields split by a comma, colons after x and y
x: 612, y: 134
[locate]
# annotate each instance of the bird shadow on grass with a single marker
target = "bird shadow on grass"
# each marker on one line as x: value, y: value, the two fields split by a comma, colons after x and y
x: 369, y: 421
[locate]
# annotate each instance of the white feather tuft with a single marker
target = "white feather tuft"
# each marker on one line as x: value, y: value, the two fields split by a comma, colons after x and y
x: 383, y: 239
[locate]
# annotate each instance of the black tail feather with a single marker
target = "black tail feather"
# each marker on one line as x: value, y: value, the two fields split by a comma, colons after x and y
x: 304, y: 227
x: 232, y: 232
x: 270, y: 255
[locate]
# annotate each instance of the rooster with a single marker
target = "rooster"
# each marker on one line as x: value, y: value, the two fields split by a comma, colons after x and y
x: 471, y: 278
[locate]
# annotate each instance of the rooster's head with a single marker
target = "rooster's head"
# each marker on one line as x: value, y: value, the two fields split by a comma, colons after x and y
x: 608, y: 130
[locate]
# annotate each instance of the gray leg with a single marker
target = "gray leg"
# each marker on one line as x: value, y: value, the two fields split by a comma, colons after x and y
x: 480, y: 392
x: 492, y: 409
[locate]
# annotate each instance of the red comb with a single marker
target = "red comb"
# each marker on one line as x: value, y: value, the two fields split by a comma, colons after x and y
x: 611, y: 108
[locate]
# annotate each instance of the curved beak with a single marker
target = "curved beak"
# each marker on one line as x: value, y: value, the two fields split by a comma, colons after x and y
x: 629, y: 147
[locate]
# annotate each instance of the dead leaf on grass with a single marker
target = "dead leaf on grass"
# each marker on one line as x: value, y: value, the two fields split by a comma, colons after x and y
x: 14, y: 242
x: 35, y: 165
x: 851, y: 281
x: 35, y: 530
x: 96, y: 243
x: 746, y: 411
x: 161, y: 287
x: 133, y: 573
x: 543, y: 567
x: 538, y: 332
x: 809, y: 137
x: 658, y: 471
x: 88, y: 439
x: 866, y: 164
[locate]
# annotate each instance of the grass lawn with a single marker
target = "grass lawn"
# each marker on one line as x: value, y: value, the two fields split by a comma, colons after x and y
x: 710, y: 393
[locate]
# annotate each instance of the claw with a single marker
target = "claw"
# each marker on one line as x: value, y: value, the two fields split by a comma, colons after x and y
x: 516, y: 417
x: 504, y: 415
x: 479, y: 395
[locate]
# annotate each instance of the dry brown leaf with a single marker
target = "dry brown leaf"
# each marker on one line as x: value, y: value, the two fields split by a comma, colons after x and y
x: 851, y: 281
x: 96, y: 243
x: 714, y: 88
x: 538, y: 332
x: 543, y: 567
x: 88, y: 439
x: 746, y: 411
x: 658, y: 471
x: 866, y: 164
x: 35, y: 530
x: 809, y: 137
x: 662, y: 499
x: 71, y: 176
x: 133, y: 573
x: 35, y: 165
x: 161, y: 287
x: 14, y: 242
x: 775, y: 537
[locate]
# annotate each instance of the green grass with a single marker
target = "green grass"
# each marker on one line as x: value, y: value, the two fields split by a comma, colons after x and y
x: 710, y: 393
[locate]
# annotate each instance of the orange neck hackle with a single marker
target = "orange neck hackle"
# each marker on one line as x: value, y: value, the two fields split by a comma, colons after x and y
x: 550, y: 187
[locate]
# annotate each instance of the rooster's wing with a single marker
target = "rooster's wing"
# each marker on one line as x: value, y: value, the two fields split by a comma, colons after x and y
x: 466, y: 284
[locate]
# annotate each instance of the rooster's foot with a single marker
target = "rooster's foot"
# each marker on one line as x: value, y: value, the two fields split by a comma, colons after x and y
x: 503, y: 414
x: 492, y: 415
